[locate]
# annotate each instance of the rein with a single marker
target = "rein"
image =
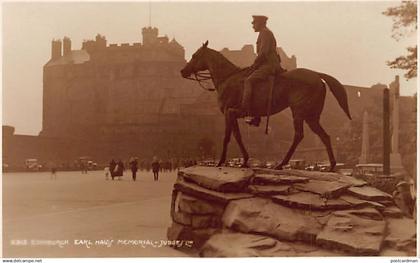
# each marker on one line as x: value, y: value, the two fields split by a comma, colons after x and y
x: 201, y: 77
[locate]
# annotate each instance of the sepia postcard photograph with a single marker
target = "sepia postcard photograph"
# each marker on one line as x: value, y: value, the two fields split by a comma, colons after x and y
x: 200, y: 129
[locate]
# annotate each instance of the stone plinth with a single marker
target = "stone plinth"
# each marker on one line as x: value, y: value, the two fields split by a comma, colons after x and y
x: 228, y: 212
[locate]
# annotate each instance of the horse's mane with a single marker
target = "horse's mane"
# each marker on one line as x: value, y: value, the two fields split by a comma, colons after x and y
x: 227, y: 61
x: 235, y: 76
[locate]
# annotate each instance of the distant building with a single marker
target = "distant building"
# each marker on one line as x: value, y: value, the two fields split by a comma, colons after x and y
x: 246, y: 56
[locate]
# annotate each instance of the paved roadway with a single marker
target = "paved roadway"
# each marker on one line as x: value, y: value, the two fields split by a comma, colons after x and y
x: 78, y: 206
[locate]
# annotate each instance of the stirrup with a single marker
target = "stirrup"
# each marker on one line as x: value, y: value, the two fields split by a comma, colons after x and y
x: 255, y: 121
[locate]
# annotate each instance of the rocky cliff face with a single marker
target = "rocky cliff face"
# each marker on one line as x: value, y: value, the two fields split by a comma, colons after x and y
x: 232, y: 212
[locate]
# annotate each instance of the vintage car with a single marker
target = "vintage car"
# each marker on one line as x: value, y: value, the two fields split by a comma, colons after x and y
x: 270, y: 164
x: 368, y: 169
x: 235, y: 162
x: 298, y: 164
x: 255, y: 163
x: 87, y: 163
x: 208, y: 162
x: 325, y: 167
x: 32, y: 164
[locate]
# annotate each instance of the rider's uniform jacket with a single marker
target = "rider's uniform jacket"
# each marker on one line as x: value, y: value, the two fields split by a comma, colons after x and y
x: 267, y: 50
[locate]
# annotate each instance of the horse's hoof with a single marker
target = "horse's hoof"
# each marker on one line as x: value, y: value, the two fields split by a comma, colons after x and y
x: 332, y: 168
x: 278, y: 167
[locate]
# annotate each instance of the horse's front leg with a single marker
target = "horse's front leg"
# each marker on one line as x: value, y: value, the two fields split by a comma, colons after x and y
x: 228, y: 132
x: 238, y: 137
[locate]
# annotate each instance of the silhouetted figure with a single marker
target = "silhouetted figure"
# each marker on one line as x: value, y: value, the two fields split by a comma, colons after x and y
x: 155, y: 168
x: 148, y: 165
x: 120, y: 169
x: 107, y: 172
x: 112, y: 166
x: 134, y: 168
x: 83, y: 167
x: 53, y: 171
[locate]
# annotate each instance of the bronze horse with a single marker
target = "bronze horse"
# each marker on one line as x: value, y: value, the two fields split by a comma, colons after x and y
x: 302, y: 90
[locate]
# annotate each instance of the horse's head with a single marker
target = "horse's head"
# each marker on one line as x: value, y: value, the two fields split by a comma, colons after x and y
x: 197, y: 63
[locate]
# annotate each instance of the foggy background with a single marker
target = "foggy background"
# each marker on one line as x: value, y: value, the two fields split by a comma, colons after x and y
x: 348, y: 40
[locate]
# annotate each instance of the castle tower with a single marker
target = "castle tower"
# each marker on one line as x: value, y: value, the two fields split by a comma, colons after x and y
x: 55, y: 49
x: 66, y: 46
x: 150, y: 35
x: 100, y: 41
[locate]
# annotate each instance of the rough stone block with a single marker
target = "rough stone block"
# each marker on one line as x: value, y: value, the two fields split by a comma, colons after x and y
x: 192, y: 205
x: 401, y: 234
x: 203, y: 221
x: 360, y: 203
x: 278, y: 179
x: 352, y: 180
x: 208, y: 195
x: 369, y: 193
x: 310, y: 201
x: 367, y: 212
x: 329, y: 189
x: 392, y: 211
x: 221, y: 179
x: 337, y: 204
x: 352, y: 233
x: 244, y: 245
x: 313, y: 175
x: 269, y: 189
x: 301, y: 200
x: 258, y: 215
x: 312, y: 250
x: 332, y: 214
x: 182, y: 218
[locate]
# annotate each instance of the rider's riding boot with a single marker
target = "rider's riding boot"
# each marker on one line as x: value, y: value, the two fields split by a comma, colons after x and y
x: 246, y: 98
x: 254, y: 121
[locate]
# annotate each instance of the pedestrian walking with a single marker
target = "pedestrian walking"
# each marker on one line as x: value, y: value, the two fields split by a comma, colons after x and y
x: 83, y: 167
x: 155, y: 168
x: 107, y: 173
x: 53, y: 171
x: 112, y: 166
x: 133, y: 167
x: 120, y: 169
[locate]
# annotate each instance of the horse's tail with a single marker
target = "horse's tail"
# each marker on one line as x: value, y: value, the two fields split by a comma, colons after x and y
x: 338, y: 91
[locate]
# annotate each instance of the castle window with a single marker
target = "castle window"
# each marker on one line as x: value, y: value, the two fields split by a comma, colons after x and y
x: 358, y: 94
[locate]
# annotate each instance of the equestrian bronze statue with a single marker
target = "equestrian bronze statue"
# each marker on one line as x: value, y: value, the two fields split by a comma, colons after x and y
x: 301, y: 89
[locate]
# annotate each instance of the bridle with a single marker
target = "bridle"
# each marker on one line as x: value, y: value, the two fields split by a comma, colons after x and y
x: 201, y: 77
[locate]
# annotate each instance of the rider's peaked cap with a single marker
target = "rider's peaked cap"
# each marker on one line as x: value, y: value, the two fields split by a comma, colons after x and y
x: 260, y: 18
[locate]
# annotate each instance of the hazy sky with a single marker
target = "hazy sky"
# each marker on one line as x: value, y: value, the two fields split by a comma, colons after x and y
x: 349, y: 40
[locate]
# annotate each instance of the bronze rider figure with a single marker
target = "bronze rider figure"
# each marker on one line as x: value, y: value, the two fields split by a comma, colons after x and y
x: 267, y: 63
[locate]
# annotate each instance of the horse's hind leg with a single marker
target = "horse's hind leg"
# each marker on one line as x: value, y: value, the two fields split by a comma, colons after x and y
x: 298, y: 124
x: 238, y: 137
x: 325, y: 138
x: 228, y: 132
